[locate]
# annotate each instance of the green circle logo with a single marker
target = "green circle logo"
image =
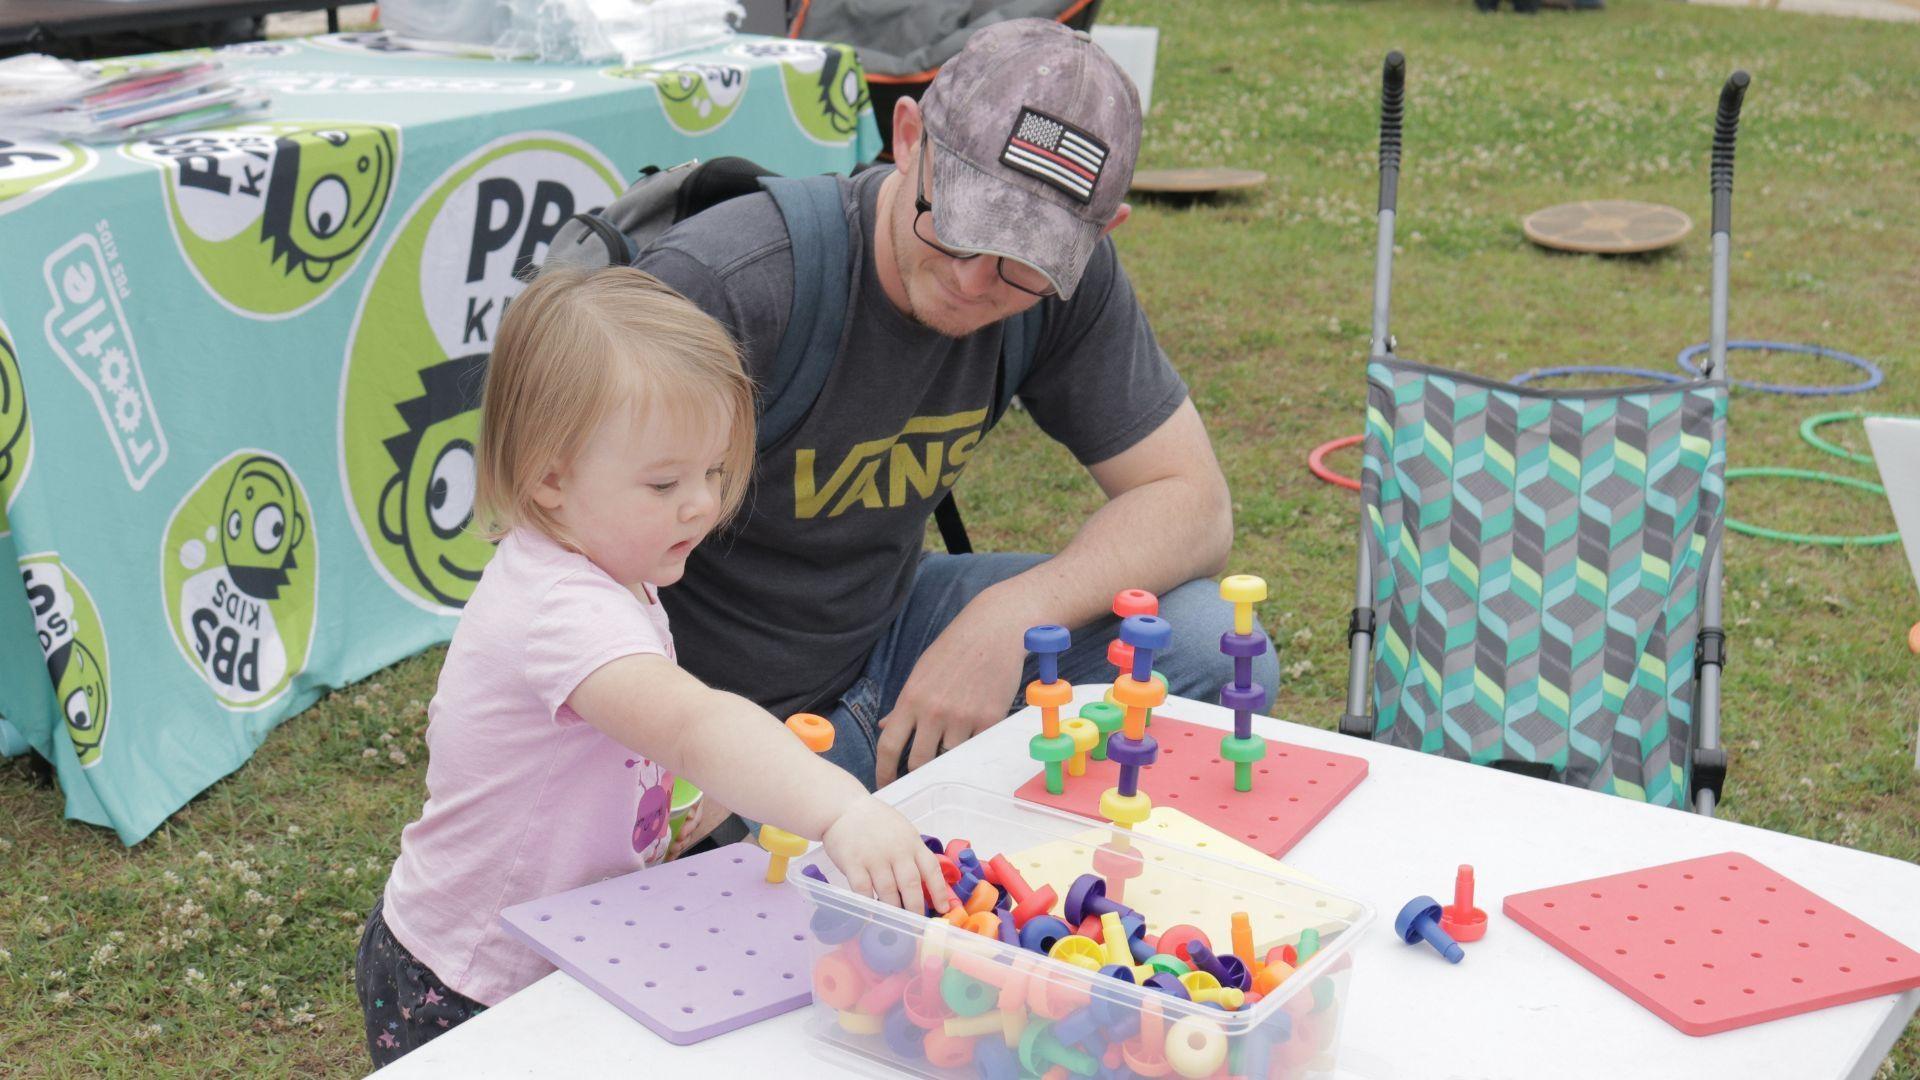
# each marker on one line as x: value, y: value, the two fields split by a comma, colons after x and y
x: 416, y: 358
x: 826, y: 89
x: 272, y: 216
x: 696, y: 98
x: 239, y: 573
x: 75, y: 646
x: 30, y: 169
x: 16, y: 432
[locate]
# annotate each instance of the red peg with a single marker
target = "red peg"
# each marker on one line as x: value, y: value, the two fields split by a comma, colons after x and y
x: 1027, y: 902
x: 1460, y: 919
x: 1129, y: 602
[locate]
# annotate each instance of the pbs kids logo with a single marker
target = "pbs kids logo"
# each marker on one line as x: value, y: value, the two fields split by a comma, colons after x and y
x: 238, y: 571
x: 16, y: 433
x: 272, y: 216
x: 696, y: 98
x: 410, y: 391
x: 75, y: 646
x: 826, y: 90
x: 30, y: 169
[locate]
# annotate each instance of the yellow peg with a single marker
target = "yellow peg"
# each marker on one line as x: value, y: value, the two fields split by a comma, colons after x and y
x: 1243, y: 591
x: 1085, y: 735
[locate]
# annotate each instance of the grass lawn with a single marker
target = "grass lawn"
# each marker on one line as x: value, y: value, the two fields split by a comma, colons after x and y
x: 224, y: 944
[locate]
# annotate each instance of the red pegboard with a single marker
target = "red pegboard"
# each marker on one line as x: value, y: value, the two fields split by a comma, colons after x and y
x: 1293, y: 786
x: 1716, y: 943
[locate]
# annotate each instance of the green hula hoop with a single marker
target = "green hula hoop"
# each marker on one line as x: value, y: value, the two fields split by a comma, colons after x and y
x: 1819, y: 539
x: 1809, y: 430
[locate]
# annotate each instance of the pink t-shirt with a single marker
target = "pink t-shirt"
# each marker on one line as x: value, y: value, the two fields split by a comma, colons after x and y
x: 524, y: 798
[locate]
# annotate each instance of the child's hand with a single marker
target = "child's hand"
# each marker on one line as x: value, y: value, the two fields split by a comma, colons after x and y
x: 883, y: 857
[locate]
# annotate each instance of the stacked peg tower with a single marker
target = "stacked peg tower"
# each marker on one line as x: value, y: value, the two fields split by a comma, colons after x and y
x: 1244, y: 696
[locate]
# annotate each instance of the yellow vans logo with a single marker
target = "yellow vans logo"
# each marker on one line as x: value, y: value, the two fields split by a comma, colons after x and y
x: 924, y: 458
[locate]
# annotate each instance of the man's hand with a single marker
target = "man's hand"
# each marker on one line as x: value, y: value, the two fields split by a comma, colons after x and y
x: 959, y: 687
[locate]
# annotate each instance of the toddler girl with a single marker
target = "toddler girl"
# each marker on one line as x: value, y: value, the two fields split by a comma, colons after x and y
x: 616, y: 432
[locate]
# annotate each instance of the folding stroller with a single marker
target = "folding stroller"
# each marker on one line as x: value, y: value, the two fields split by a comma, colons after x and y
x: 1539, y: 571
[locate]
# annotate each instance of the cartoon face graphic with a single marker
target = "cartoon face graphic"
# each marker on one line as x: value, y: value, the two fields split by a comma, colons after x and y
x: 651, y: 835
x: 80, y: 691
x: 74, y: 643
x: 826, y: 92
x: 13, y: 418
x: 272, y: 215
x: 427, y: 505
x: 260, y: 526
x: 30, y: 169
x: 650, y: 821
x: 842, y: 90
x: 695, y: 98
x: 239, y: 567
x: 326, y: 194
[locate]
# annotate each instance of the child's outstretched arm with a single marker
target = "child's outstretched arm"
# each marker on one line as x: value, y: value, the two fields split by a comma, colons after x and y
x: 745, y: 758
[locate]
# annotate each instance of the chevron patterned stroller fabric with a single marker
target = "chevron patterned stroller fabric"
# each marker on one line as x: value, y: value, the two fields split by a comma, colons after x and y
x: 1538, y: 563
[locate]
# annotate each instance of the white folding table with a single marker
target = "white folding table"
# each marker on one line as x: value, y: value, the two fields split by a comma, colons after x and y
x: 1514, y: 1008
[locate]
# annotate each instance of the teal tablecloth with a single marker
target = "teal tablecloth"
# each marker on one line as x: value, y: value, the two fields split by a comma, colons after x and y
x: 236, y: 409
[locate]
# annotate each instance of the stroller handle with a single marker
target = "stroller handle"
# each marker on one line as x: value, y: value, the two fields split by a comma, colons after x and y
x: 1725, y: 126
x: 1393, y: 79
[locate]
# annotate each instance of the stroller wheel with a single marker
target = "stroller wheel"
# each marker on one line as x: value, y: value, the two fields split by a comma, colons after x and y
x: 1526, y: 7
x: 1487, y: 5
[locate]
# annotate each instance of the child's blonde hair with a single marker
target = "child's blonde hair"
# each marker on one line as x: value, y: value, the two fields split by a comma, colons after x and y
x: 579, y: 343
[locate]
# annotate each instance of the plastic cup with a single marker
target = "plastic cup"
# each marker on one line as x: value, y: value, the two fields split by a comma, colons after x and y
x: 686, y: 800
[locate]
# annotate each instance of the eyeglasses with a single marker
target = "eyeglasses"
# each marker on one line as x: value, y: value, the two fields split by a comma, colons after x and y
x: 1012, y: 271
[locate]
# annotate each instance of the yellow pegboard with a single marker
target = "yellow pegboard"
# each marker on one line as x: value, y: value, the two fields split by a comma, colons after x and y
x: 1171, y: 888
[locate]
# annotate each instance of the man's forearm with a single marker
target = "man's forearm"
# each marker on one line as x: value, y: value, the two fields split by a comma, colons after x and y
x: 1155, y: 537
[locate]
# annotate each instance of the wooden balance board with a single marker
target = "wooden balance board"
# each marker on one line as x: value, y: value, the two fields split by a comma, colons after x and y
x: 1607, y: 227
x: 1196, y: 181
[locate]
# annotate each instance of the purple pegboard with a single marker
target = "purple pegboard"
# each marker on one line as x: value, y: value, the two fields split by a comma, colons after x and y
x: 692, y: 948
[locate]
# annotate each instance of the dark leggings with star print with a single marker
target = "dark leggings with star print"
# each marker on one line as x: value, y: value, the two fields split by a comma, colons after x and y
x: 405, y: 1004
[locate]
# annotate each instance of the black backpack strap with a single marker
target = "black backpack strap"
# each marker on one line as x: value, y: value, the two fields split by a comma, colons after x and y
x: 619, y: 249
x: 816, y: 218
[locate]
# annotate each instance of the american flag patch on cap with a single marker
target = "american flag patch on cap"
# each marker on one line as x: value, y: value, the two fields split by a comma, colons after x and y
x: 1061, y: 155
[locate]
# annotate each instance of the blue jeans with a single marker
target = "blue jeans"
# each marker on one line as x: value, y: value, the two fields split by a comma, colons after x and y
x: 1194, y: 665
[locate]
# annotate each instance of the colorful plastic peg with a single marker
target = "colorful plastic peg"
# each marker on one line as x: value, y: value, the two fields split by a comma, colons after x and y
x: 1027, y: 902
x: 1243, y: 938
x: 816, y: 733
x: 1085, y: 735
x: 1147, y: 634
x: 1461, y: 919
x: 1419, y: 920
x: 1106, y: 717
x: 1243, y: 591
x: 1196, y: 1047
x: 1046, y: 643
x: 1087, y: 896
x: 1127, y: 603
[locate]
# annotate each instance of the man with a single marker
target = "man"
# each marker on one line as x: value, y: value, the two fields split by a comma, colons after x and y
x: 1011, y: 173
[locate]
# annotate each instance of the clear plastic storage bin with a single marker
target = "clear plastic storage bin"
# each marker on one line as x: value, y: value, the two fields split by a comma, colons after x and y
x: 896, y: 992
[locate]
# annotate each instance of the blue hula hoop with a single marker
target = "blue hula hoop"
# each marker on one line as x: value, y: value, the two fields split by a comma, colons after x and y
x: 1567, y: 370
x: 1874, y: 376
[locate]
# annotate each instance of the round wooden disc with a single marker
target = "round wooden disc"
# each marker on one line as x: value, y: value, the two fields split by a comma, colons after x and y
x: 1607, y: 226
x: 1196, y: 181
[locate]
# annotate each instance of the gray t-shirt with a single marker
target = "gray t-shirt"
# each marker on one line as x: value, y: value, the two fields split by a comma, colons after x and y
x: 786, y: 604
